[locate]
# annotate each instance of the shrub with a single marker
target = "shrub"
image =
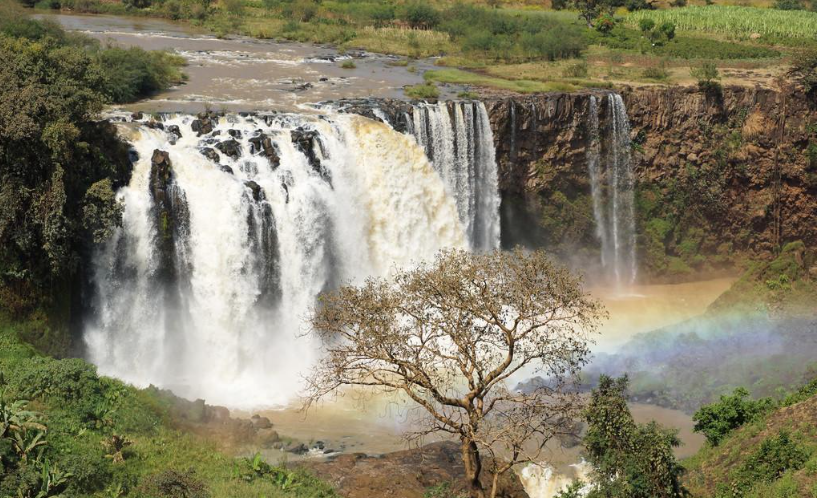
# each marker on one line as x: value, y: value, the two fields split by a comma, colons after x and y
x: 576, y: 70
x: 131, y: 73
x: 717, y: 420
x: 658, y: 72
x: 804, y: 70
x: 646, y: 25
x: 707, y: 75
x: 173, y: 484
x: 775, y: 456
x: 420, y: 15
x: 427, y: 90
x: 604, y: 23
x: 233, y: 7
x: 348, y: 64
x: 789, y: 5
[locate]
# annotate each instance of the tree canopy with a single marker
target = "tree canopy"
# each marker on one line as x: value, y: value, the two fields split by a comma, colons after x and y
x: 451, y: 334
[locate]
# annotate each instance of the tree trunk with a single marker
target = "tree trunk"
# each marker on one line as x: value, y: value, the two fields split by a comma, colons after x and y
x: 473, y: 468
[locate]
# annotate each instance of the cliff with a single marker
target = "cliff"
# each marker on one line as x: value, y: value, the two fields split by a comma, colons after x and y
x: 718, y: 177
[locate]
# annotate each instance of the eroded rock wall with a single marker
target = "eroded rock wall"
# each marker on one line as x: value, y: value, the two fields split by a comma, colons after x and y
x: 719, y: 177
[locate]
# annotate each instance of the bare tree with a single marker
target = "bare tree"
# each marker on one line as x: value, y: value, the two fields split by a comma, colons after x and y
x: 451, y: 335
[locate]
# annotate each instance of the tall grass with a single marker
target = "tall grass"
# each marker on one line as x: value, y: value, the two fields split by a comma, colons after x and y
x: 735, y: 21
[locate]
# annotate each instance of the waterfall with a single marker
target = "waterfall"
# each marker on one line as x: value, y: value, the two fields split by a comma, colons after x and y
x: 229, y: 235
x: 612, y: 186
x: 459, y: 143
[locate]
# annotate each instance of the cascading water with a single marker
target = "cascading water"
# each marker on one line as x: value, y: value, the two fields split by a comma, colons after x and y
x: 612, y: 186
x: 459, y: 143
x: 229, y: 235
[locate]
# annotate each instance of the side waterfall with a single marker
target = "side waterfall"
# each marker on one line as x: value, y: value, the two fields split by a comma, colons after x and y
x: 233, y: 226
x: 612, y: 185
x: 459, y: 143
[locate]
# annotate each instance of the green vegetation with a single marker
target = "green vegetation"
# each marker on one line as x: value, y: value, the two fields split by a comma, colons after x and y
x: 427, y: 90
x: 718, y: 419
x: 771, y: 454
x: 458, y: 76
x: 65, y: 431
x: 628, y: 459
x: 58, y: 166
x: 734, y: 21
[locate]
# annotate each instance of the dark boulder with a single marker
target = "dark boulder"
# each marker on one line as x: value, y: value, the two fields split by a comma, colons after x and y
x: 257, y: 193
x: 263, y: 143
x: 210, y: 154
x: 156, y: 125
x: 234, y: 133
x: 174, y: 130
x: 308, y: 142
x: 230, y: 148
x: 227, y: 169
x: 136, y: 116
x: 202, y: 126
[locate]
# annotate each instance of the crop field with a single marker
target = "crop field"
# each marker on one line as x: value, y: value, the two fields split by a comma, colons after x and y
x: 737, y: 22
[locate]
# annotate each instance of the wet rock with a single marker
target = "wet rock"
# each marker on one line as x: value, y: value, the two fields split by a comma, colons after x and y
x: 260, y: 422
x: 230, y: 148
x: 136, y: 116
x: 210, y: 154
x: 257, y: 192
x: 202, y: 126
x: 234, y: 133
x: 296, y: 448
x: 156, y: 125
x: 308, y: 142
x: 263, y: 143
x: 267, y: 438
x: 174, y: 130
x: 226, y: 169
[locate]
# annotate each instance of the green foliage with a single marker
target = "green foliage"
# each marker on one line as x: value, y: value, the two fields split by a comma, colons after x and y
x: 707, y: 75
x: 348, y: 64
x: 732, y: 20
x: 804, y: 71
x: 421, y: 15
x: 628, y: 459
x: 427, y: 90
x: 173, y: 484
x: 58, y: 166
x: 717, y: 420
x: 789, y: 5
x: 576, y: 70
x: 132, y: 73
x: 296, y: 481
x: 775, y: 456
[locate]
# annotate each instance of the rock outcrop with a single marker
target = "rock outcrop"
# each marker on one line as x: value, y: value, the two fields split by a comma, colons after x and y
x: 719, y: 178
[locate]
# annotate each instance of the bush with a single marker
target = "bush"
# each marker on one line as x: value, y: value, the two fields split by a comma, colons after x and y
x: 707, y: 75
x: 604, y: 23
x: 348, y: 64
x: 576, y: 70
x: 789, y: 5
x: 421, y: 15
x: 427, y: 90
x: 173, y: 484
x: 775, y: 456
x: 719, y: 419
x: 132, y: 73
x: 804, y: 70
x: 658, y: 72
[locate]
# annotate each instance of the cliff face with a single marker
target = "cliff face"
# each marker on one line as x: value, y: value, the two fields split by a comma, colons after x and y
x: 718, y: 177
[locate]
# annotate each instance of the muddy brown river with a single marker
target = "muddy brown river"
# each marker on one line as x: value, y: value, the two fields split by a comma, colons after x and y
x: 244, y: 74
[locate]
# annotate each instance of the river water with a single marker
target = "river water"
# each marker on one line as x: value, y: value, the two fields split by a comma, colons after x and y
x: 244, y: 74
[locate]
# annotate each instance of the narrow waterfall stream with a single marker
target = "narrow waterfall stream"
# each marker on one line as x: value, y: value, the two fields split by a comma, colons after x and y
x: 228, y: 238
x: 612, y: 184
x: 458, y: 141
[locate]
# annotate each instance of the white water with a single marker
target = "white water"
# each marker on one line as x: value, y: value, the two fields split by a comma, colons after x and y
x: 458, y: 140
x: 612, y: 186
x: 541, y: 481
x: 227, y: 328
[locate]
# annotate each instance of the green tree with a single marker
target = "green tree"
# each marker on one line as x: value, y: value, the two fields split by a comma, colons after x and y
x: 717, y: 420
x: 628, y: 459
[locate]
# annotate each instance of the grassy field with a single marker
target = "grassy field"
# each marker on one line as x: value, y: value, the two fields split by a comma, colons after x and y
x: 85, y: 435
